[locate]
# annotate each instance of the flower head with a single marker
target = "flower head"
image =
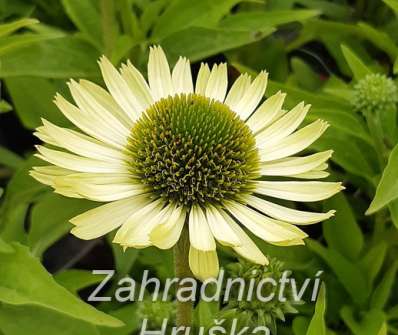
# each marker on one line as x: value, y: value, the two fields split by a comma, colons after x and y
x: 167, y: 153
x: 375, y: 92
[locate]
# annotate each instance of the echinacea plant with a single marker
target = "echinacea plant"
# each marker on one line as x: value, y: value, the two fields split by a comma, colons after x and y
x: 183, y: 164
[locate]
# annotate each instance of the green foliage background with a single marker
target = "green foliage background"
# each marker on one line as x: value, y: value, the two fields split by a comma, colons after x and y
x: 314, y: 50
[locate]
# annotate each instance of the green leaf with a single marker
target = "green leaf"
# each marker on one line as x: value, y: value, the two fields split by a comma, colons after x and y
x: 300, y: 325
x: 258, y: 20
x: 182, y: 14
x: 38, y: 321
x: 197, y: 43
x: 33, y: 100
x: 46, y: 229
x: 358, y: 68
x: 304, y: 75
x: 396, y: 66
x: 86, y: 17
x: 41, y: 290
x: 5, y: 247
x: 5, y: 107
x: 342, y: 232
x: 382, y: 292
x: 387, y: 189
x: 10, y: 159
x: 75, y: 280
x: 348, y: 273
x: 317, y: 325
x: 372, y: 261
x: 371, y: 323
x: 9, y: 28
x: 128, y: 314
x: 393, y: 4
x: 64, y: 57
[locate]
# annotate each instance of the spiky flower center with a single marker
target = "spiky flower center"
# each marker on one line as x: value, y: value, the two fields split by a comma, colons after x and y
x: 190, y: 149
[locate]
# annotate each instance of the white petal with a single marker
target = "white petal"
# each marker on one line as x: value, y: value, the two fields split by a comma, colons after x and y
x: 88, y: 124
x: 220, y: 228
x: 47, y: 174
x: 298, y: 190
x: 182, y: 77
x: 101, y: 220
x: 166, y: 235
x: 204, y: 264
x: 202, y: 79
x: 267, y: 112
x: 252, y: 96
x: 135, y: 231
x: 295, y: 165
x: 264, y: 227
x: 119, y: 89
x: 138, y: 85
x: 294, y: 143
x: 248, y: 249
x: 159, y: 74
x: 107, y: 102
x: 287, y: 214
x: 77, y: 163
x: 81, y: 144
x: 312, y: 175
x: 200, y: 234
x: 284, y: 126
x: 237, y: 91
x: 218, y: 82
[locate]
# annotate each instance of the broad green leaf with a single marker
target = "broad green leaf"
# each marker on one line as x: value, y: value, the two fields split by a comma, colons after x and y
x: 348, y: 273
x: 304, y: 75
x: 182, y: 14
x: 300, y: 325
x: 75, y: 280
x: 372, y: 261
x: 393, y: 208
x: 86, y: 17
x: 383, y: 291
x: 46, y: 229
x: 393, y: 4
x: 5, y: 107
x: 57, y: 58
x: 358, y: 68
x: 329, y: 8
x: 9, y: 159
x: 257, y: 20
x: 371, y: 323
x: 22, y: 320
x: 396, y: 66
x: 342, y: 232
x: 317, y: 325
x: 15, y: 43
x: 33, y: 100
x: 387, y: 189
x: 9, y: 28
x: 41, y: 290
x: 128, y: 314
x: 124, y: 260
x: 197, y: 43
x: 5, y: 247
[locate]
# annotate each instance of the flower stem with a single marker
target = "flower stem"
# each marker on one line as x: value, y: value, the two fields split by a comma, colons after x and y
x: 182, y: 270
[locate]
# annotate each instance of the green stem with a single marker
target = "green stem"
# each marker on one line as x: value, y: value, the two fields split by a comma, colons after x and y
x: 182, y: 270
x: 109, y: 33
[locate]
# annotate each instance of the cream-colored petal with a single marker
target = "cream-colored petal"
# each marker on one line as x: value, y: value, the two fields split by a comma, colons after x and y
x: 81, y: 144
x: 166, y: 235
x: 119, y: 89
x: 200, y: 234
x: 182, y: 77
x: 47, y: 174
x: 248, y: 249
x: 294, y: 143
x: 202, y: 79
x: 304, y: 191
x: 128, y: 235
x: 294, y: 165
x: 283, y: 127
x: 287, y: 214
x: 252, y: 96
x: 268, y: 229
x: 237, y: 91
x: 77, y: 163
x: 159, y: 76
x: 267, y: 113
x: 220, y: 228
x: 88, y: 124
x: 315, y: 174
x: 101, y: 220
x: 204, y: 264
x: 138, y: 85
x: 217, y: 83
x: 107, y: 102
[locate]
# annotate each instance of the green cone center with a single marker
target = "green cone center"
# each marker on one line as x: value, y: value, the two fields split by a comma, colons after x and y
x: 190, y: 149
